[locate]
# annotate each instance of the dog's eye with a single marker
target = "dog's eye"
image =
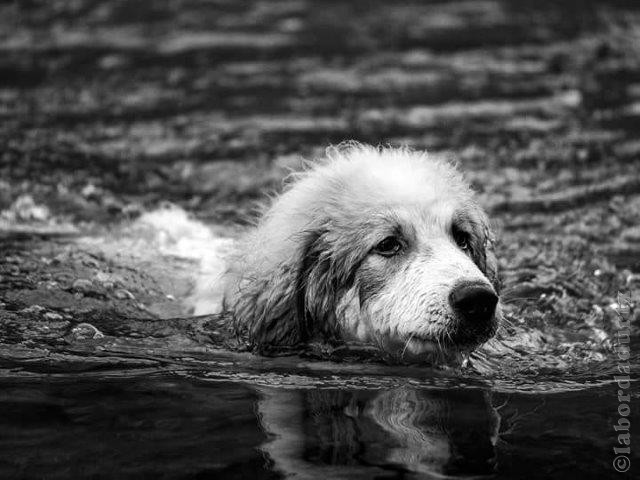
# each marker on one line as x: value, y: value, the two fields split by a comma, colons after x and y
x: 462, y: 239
x: 388, y: 247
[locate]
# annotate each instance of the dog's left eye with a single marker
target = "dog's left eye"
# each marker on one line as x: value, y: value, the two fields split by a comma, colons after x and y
x: 388, y: 247
x: 462, y: 239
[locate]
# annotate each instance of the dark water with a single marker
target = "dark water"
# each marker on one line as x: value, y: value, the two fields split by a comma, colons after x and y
x: 195, y: 424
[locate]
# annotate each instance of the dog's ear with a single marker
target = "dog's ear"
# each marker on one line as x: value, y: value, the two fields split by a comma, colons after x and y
x: 484, y: 253
x: 297, y: 302
x: 265, y: 307
x: 327, y: 270
x: 482, y: 246
x: 491, y: 261
x: 287, y: 305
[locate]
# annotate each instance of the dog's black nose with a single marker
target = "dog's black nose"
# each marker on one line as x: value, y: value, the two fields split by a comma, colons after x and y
x: 473, y: 302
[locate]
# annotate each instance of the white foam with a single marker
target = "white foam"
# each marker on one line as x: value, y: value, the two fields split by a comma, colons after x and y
x: 179, y: 235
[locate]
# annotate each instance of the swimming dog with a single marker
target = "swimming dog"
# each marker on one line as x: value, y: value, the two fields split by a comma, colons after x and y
x: 385, y: 246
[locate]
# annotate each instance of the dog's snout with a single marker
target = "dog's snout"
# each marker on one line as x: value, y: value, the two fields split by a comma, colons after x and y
x: 473, y: 302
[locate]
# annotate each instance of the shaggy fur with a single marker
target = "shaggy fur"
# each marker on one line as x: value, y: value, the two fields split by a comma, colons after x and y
x: 316, y: 267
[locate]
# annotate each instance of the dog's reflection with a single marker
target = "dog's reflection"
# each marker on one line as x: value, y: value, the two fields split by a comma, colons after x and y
x: 340, y: 434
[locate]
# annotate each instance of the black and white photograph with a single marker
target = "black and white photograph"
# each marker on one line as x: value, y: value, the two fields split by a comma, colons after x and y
x: 319, y: 239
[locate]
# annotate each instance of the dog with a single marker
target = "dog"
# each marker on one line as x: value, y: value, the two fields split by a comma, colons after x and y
x: 376, y: 245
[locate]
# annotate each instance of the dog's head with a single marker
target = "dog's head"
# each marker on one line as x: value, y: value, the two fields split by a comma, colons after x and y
x: 377, y: 245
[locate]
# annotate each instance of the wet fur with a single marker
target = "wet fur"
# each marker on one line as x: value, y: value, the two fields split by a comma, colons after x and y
x: 306, y: 271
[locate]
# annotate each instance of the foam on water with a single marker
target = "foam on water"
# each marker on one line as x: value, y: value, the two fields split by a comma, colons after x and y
x: 179, y: 235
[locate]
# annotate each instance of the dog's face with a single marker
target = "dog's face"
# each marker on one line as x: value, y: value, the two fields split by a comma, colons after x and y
x: 385, y: 247
x: 424, y: 283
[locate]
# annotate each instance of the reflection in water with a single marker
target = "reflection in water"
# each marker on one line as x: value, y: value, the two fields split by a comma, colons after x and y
x: 132, y: 424
x: 334, y: 432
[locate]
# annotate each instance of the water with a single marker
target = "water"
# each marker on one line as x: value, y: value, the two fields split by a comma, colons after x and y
x: 190, y: 424
x: 124, y: 395
x: 104, y: 370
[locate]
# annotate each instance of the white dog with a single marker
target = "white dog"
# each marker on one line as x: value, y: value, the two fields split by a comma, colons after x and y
x: 376, y: 245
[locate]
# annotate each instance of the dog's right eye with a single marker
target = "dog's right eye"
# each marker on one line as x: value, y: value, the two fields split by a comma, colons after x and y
x: 388, y: 247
